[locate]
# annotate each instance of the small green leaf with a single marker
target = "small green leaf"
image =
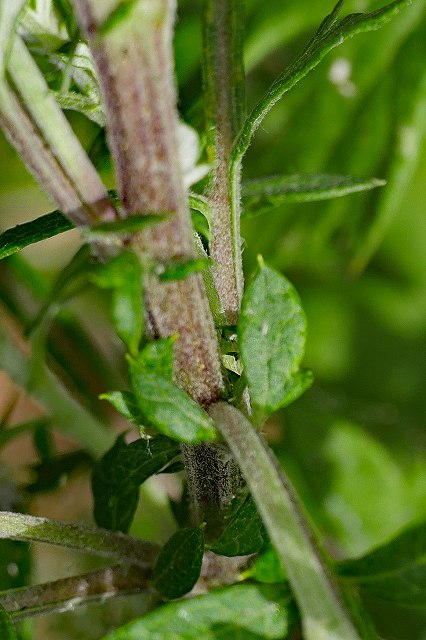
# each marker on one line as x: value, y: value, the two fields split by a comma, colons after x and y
x: 179, y: 564
x: 23, y: 235
x: 244, y: 532
x: 157, y: 357
x: 117, y: 476
x: 268, y: 193
x: 272, y: 329
x: 7, y: 628
x: 267, y: 567
x: 125, y: 403
x: 123, y: 274
x: 168, y: 408
x: 241, y: 611
x: 396, y: 571
x: 177, y: 270
x: 128, y: 225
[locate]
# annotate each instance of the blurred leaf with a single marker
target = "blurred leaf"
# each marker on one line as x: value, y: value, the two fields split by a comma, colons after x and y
x: 268, y: 193
x: 157, y: 357
x: 271, y: 329
x: 119, y: 13
x: 50, y: 474
x: 123, y: 274
x: 330, y: 34
x: 125, y: 403
x: 22, y: 235
x: 47, y: 25
x: 267, y: 567
x: 244, y: 531
x: 179, y: 564
x: 169, y: 409
x: 395, y: 571
x: 360, y: 466
x: 9, y: 12
x: 43, y: 442
x: 7, y: 628
x: 181, y: 508
x: 177, y: 270
x: 245, y: 611
x: 116, y: 478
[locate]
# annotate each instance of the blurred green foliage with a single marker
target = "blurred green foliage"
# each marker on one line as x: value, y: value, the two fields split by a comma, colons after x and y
x: 355, y: 443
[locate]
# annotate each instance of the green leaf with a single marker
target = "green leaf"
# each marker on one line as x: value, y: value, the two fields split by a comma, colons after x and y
x: 7, y: 628
x: 120, y: 12
x: 157, y: 357
x: 331, y: 33
x: 123, y: 274
x: 177, y: 269
x: 395, y: 571
x: 179, y: 564
x: 168, y: 408
x: 268, y: 193
x: 117, y: 476
x: 244, y: 532
x: 267, y: 567
x: 296, y: 386
x: 131, y: 224
x: 272, y: 330
x: 22, y: 235
x: 125, y: 403
x: 246, y: 611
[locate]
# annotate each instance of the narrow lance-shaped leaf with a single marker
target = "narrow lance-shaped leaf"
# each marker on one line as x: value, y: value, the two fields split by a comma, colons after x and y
x: 22, y: 235
x: 240, y: 611
x: 272, y: 330
x: 396, y: 571
x: 116, y: 478
x: 7, y: 628
x: 179, y: 564
x: 244, y: 532
x: 267, y: 193
x: 331, y: 33
x: 125, y: 403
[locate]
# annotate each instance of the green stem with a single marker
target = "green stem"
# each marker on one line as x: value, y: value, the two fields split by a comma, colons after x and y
x: 18, y: 526
x: 65, y: 413
x: 223, y: 75
x: 322, y: 606
x: 57, y: 133
x: 68, y: 593
x: 6, y: 435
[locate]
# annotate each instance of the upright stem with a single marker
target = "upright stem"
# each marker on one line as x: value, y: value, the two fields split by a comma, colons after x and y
x: 224, y: 107
x: 135, y: 60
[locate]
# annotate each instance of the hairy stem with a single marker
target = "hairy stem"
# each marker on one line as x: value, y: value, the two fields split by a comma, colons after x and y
x: 323, y: 608
x: 18, y: 526
x: 223, y: 76
x: 68, y: 593
x: 135, y: 60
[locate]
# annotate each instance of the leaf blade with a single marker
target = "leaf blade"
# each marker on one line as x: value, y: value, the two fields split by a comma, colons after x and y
x: 272, y: 330
x: 7, y: 628
x: 270, y: 192
x: 258, y: 610
x: 179, y: 564
x: 23, y: 235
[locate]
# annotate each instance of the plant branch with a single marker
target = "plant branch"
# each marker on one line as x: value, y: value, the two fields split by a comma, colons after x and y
x: 323, y: 607
x: 223, y: 76
x: 68, y: 593
x: 18, y: 526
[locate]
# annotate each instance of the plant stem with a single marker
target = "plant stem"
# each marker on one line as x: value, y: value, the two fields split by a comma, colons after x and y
x: 135, y: 61
x: 322, y: 606
x: 18, y: 526
x: 68, y: 593
x: 223, y: 76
